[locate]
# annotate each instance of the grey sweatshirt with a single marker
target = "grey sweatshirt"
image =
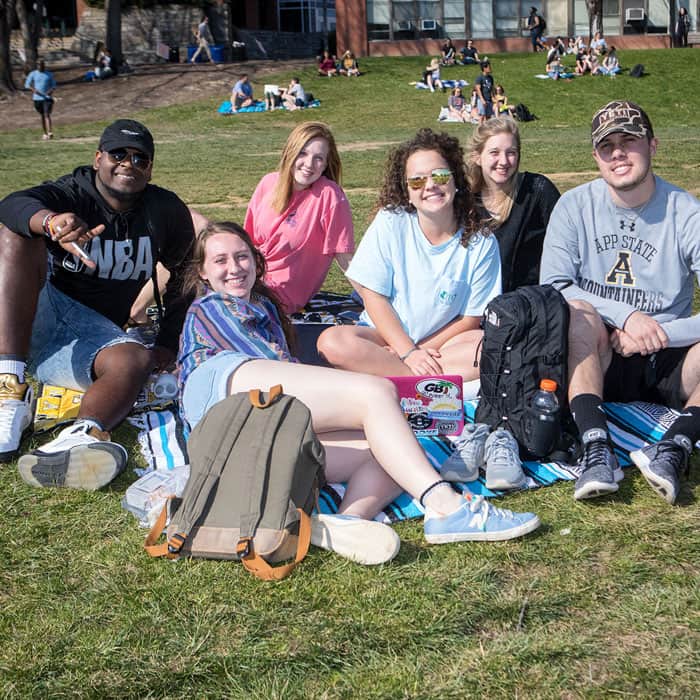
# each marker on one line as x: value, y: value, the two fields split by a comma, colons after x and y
x: 626, y: 260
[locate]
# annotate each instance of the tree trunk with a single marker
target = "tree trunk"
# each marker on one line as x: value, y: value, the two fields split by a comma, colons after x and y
x: 30, y: 37
x: 7, y: 84
x: 114, y: 31
x: 595, y: 17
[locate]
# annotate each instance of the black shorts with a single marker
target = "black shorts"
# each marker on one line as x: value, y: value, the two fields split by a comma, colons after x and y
x: 655, y: 378
x: 44, y: 107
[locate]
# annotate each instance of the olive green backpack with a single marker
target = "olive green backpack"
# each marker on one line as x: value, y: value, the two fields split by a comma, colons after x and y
x: 256, y: 467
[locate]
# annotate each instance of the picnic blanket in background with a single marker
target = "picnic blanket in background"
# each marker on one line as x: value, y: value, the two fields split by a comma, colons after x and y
x: 162, y: 440
x: 446, y: 83
x: 225, y: 107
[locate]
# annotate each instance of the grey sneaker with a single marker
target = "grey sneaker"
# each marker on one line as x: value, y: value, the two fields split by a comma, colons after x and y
x: 601, y: 472
x: 663, y: 464
x: 504, y: 470
x: 464, y: 463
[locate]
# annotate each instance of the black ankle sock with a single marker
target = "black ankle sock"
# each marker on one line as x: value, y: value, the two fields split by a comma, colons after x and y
x: 688, y: 424
x: 587, y: 410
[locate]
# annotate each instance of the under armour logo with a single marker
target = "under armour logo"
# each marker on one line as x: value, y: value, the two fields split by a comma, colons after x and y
x: 624, y: 224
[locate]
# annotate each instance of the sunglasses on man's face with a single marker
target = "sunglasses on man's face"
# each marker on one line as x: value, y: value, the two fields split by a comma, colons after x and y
x: 439, y: 176
x: 138, y: 160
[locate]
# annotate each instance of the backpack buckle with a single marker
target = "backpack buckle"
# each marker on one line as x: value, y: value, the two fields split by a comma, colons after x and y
x: 175, y: 543
x: 244, y: 548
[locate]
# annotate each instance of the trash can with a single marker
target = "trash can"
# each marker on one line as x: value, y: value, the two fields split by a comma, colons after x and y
x: 217, y: 52
x: 174, y: 54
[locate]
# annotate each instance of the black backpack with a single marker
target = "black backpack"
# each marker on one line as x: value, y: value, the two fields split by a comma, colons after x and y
x: 523, y: 114
x: 525, y: 341
x: 637, y: 71
x: 543, y: 22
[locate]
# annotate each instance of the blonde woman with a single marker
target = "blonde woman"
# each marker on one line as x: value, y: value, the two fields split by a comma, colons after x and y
x: 299, y: 216
x: 515, y: 206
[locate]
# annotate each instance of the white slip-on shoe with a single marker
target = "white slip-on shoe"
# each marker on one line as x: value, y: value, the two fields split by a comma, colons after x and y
x: 362, y: 541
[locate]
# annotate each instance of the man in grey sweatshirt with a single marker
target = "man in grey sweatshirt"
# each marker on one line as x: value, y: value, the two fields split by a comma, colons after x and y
x: 630, y: 243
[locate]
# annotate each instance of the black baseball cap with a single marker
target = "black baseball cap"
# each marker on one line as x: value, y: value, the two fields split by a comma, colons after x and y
x: 127, y: 133
x: 620, y: 116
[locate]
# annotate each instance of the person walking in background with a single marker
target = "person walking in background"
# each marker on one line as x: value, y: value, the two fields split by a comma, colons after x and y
x: 42, y: 84
x: 203, y: 36
x: 536, y: 24
x: 681, y: 28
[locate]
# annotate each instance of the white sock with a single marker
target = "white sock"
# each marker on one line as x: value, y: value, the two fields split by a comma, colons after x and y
x: 16, y: 367
x: 90, y: 423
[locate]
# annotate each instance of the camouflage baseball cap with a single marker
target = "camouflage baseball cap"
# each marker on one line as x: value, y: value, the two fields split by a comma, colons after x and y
x: 620, y: 117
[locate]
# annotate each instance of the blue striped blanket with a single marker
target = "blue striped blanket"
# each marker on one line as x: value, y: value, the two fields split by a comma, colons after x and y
x: 163, y: 440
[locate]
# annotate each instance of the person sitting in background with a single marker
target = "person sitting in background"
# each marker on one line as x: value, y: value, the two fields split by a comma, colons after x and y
x: 294, y: 96
x: 326, y: 65
x: 500, y: 102
x: 447, y: 53
x: 598, y: 45
x: 583, y: 64
x: 457, y: 105
x: 104, y: 68
x: 242, y: 93
x: 554, y: 68
x: 611, y: 64
x: 431, y: 75
x: 593, y: 62
x: 571, y: 46
x: 348, y: 65
x: 469, y: 54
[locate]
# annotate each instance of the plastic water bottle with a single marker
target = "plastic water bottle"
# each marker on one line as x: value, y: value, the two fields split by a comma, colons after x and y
x: 544, y: 421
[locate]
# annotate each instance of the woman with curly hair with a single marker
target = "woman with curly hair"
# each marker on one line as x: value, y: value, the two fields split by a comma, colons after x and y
x: 515, y: 205
x: 233, y: 340
x: 300, y: 218
x: 424, y: 271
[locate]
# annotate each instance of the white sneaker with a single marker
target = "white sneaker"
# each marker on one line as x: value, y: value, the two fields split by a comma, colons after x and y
x: 16, y: 409
x: 362, y: 541
x: 80, y: 457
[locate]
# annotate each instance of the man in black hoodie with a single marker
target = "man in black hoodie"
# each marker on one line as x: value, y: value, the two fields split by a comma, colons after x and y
x: 104, y: 228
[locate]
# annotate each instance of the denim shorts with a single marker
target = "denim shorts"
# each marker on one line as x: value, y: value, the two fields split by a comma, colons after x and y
x: 66, y: 337
x: 208, y: 384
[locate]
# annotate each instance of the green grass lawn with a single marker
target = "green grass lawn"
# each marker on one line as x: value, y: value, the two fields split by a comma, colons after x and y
x: 602, y: 601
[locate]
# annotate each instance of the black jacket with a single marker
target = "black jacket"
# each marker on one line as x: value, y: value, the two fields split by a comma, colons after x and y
x: 157, y: 229
x: 521, y: 236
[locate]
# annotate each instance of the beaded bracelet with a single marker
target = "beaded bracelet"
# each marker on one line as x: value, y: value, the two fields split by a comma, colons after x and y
x: 46, y: 224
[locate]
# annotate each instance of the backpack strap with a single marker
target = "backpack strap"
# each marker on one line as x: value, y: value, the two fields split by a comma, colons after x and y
x: 257, y: 566
x: 151, y: 544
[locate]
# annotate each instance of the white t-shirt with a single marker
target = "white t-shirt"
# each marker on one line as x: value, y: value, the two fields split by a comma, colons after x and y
x: 428, y: 286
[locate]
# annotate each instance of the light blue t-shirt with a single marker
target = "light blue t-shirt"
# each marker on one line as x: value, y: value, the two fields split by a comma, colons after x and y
x: 42, y: 83
x: 428, y: 286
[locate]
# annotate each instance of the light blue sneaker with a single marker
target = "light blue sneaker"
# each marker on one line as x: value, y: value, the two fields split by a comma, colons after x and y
x: 477, y: 520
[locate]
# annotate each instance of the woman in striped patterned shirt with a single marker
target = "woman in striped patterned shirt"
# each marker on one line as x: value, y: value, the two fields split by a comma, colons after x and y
x: 236, y: 339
